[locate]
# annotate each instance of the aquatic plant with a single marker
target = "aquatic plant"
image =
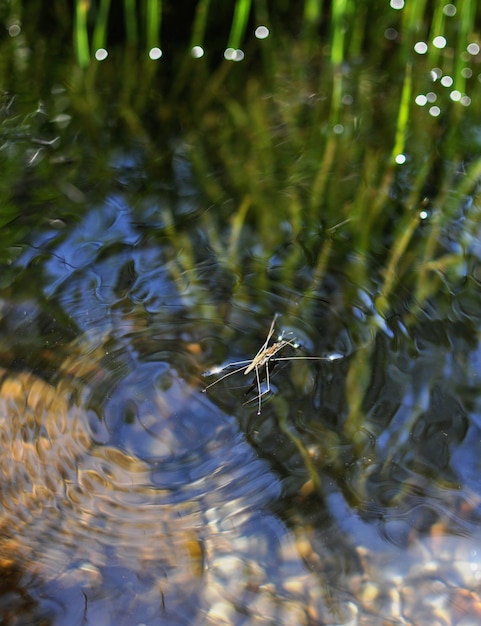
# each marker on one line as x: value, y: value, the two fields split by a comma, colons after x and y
x: 338, y: 163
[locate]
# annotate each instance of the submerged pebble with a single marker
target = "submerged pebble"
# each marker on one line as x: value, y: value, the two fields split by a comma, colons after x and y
x: 103, y: 521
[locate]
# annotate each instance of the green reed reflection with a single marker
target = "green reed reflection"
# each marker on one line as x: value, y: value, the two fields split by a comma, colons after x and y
x: 333, y: 163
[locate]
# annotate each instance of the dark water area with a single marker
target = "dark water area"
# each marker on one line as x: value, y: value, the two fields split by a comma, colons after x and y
x: 148, y: 241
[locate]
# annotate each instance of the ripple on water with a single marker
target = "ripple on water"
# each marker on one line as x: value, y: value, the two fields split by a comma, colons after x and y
x: 165, y: 522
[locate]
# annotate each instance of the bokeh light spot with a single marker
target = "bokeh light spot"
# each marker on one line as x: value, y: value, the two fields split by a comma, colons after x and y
x: 439, y: 42
x: 421, y: 47
x: 473, y: 49
x: 197, y: 52
x: 155, y: 54
x: 261, y: 32
x: 101, y: 54
x: 14, y: 30
x: 231, y: 54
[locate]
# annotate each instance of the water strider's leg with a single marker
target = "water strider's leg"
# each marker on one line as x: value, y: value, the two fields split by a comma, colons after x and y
x: 210, y: 373
x: 257, y: 382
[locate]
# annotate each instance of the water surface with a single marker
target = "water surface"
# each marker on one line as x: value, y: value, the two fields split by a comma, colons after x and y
x: 139, y: 251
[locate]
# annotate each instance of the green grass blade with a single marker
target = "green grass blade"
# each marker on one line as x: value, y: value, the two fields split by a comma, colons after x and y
x: 339, y: 15
x: 154, y: 18
x: 99, y: 38
x: 403, y: 114
x: 312, y: 11
x: 200, y: 23
x: 413, y: 14
x: 341, y: 12
x: 81, y: 33
x: 437, y: 29
x: 467, y: 26
x: 131, y: 27
x: 239, y: 23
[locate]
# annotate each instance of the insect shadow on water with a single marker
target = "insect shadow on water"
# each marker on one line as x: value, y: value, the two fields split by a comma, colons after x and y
x: 266, y: 356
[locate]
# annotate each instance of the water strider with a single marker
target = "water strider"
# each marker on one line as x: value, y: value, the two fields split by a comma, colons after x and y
x: 265, y: 356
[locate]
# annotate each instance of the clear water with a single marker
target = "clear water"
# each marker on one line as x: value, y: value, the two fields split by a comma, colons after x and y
x: 128, y: 496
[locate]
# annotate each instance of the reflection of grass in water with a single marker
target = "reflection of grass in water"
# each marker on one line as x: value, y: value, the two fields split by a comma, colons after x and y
x: 277, y: 183
x: 311, y: 137
x: 293, y: 153
x: 300, y: 156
